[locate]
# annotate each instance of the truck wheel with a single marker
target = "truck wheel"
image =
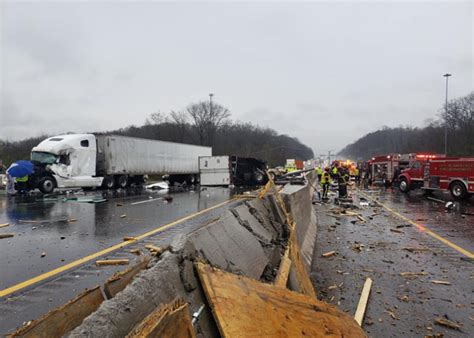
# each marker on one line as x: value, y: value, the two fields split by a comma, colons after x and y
x: 191, y: 179
x: 108, y: 182
x: 258, y: 177
x: 122, y: 181
x: 46, y: 185
x: 404, y: 186
x: 458, y: 190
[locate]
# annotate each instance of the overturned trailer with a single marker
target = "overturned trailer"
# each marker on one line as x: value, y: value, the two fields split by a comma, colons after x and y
x: 231, y: 170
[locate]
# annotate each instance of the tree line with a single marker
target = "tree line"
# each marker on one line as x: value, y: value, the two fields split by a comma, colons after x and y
x: 459, y: 117
x: 200, y: 123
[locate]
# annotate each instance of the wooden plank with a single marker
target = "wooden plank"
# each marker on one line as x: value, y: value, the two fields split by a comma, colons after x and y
x: 167, y: 321
x: 302, y: 275
x: 284, y: 270
x: 121, y: 279
x: 245, y: 307
x: 364, y: 298
x: 4, y: 225
x: 63, y: 319
x: 7, y: 235
x: 102, y: 262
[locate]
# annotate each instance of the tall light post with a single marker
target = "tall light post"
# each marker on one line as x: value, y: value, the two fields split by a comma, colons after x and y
x: 447, y: 75
x: 210, y: 103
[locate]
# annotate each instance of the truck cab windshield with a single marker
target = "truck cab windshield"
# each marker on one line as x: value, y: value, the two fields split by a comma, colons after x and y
x: 45, y: 158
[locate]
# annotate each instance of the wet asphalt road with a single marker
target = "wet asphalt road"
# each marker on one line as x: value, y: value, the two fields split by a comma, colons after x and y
x: 97, y: 227
x: 399, y: 306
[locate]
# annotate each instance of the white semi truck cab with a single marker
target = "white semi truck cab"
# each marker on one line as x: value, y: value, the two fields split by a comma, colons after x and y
x: 110, y: 161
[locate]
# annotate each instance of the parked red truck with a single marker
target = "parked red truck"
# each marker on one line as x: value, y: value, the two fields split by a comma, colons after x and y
x: 455, y: 174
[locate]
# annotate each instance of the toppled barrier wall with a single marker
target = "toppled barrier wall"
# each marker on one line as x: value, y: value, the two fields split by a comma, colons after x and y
x: 249, y: 240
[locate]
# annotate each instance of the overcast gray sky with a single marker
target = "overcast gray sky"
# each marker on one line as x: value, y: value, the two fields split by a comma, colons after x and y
x: 325, y: 72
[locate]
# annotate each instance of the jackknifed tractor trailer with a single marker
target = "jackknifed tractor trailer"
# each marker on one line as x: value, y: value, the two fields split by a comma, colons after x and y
x: 111, y: 161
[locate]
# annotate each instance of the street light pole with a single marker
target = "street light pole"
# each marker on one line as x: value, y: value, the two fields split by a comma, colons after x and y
x: 447, y: 75
x: 210, y: 102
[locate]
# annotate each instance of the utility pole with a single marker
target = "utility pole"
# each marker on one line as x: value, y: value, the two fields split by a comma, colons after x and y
x: 329, y: 157
x: 447, y: 75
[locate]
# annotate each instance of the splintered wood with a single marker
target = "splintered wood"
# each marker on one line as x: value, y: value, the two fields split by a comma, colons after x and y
x: 364, y: 298
x: 168, y: 321
x: 243, y: 306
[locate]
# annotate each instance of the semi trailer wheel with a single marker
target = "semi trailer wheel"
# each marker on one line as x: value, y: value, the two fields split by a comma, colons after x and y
x: 122, y: 181
x: 108, y: 182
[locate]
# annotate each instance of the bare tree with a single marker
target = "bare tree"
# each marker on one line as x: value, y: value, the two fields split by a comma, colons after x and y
x: 207, y: 119
x: 157, y: 118
x: 180, y: 121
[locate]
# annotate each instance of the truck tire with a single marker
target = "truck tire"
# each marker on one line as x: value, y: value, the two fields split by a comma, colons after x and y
x: 122, y: 181
x: 403, y: 185
x: 108, y: 182
x: 258, y: 177
x: 46, y: 185
x: 458, y: 190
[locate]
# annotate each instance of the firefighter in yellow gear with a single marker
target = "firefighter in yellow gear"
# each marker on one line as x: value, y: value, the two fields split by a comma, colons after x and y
x: 325, y: 182
x: 319, y: 172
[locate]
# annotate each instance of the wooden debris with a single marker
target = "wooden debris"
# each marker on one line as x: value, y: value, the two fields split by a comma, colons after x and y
x: 128, y: 238
x: 112, y: 262
x: 7, y: 235
x: 168, y: 320
x: 392, y: 314
x: 119, y: 204
x: 413, y: 249
x: 60, y: 321
x: 123, y: 216
x: 121, y: 279
x: 4, y: 225
x: 410, y: 274
x: 364, y: 298
x: 447, y: 323
x: 135, y: 251
x: 72, y: 220
x: 442, y: 282
x: 397, y: 231
x: 155, y: 250
x: 283, y: 270
x: 328, y: 254
x: 43, y: 254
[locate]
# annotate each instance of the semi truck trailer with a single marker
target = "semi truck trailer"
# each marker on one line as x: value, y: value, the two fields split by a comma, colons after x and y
x: 110, y: 161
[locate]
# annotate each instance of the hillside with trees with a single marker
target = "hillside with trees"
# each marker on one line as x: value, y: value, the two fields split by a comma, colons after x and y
x: 460, y: 122
x: 201, y: 124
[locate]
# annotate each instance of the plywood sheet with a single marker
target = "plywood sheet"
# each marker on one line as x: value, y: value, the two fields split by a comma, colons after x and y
x: 243, y: 307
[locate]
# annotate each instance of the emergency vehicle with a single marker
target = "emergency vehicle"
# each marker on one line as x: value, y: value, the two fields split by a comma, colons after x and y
x: 455, y: 174
x: 383, y: 168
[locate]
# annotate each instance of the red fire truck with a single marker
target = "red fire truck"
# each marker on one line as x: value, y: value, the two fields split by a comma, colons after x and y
x: 455, y: 174
x: 383, y: 167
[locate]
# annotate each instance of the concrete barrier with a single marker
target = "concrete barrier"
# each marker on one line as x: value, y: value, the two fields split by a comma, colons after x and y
x: 249, y: 239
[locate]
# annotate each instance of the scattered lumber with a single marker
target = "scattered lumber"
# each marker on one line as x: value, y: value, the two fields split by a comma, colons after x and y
x: 364, y: 298
x: 112, y: 262
x: 6, y: 235
x: 448, y: 323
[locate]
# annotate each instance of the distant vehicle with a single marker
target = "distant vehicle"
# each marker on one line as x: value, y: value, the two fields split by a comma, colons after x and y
x: 231, y: 170
x: 455, y: 174
x: 110, y: 161
x: 293, y: 165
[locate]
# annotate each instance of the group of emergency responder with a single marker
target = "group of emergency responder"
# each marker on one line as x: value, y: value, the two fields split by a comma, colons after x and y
x: 339, y: 172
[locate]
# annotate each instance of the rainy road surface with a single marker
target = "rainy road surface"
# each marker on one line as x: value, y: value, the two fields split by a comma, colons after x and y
x: 51, y: 233
x: 419, y: 256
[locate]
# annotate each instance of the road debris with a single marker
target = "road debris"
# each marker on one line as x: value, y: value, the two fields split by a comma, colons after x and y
x: 436, y: 200
x: 43, y: 254
x: 397, y: 231
x: 128, y: 238
x: 135, y: 251
x: 4, y: 225
x: 442, y: 282
x: 72, y: 220
x: 448, y: 323
x: 392, y: 314
x: 413, y: 249
x: 112, y: 262
x: 411, y: 274
x: 403, y: 226
x: 328, y: 254
x: 7, y: 235
x: 123, y: 216
x: 364, y: 298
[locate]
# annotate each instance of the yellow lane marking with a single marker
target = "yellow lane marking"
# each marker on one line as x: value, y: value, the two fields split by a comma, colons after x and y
x: 426, y: 230
x: 86, y: 259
